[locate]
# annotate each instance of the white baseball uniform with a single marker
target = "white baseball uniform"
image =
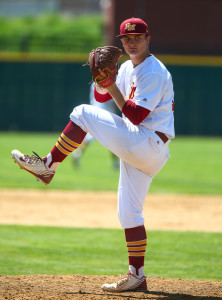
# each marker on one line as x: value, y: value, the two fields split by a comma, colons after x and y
x: 108, y: 105
x: 141, y: 151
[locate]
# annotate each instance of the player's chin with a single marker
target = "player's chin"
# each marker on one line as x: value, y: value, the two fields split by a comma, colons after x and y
x: 132, y: 52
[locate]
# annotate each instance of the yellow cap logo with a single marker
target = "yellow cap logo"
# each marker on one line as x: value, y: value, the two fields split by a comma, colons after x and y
x: 130, y: 27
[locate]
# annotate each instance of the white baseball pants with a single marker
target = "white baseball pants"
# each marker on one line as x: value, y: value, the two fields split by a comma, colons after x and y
x: 142, y: 155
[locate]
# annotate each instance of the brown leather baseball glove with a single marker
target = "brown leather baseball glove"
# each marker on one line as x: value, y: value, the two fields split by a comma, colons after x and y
x: 104, y: 58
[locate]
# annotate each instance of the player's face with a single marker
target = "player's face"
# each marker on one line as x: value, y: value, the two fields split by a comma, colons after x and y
x: 135, y: 45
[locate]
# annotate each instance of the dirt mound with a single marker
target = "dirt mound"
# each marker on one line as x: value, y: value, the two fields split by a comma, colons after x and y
x: 88, y: 288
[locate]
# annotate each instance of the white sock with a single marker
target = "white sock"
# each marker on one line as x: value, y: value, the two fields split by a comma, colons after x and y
x: 54, y: 165
x: 140, y: 271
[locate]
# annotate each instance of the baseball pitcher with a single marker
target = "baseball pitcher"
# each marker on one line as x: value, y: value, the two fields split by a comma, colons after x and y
x: 143, y: 91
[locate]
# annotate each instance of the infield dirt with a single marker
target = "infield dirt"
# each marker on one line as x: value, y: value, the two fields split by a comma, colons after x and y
x: 77, y: 209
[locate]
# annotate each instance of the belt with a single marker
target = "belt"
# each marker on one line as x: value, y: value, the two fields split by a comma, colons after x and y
x: 163, y: 137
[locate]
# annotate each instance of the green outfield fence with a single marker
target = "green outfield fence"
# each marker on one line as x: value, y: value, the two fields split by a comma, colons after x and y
x: 38, y: 92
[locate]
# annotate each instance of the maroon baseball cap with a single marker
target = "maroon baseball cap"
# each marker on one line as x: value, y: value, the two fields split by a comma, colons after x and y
x: 133, y: 26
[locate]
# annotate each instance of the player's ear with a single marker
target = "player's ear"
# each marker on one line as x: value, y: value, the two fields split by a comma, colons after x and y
x: 148, y: 38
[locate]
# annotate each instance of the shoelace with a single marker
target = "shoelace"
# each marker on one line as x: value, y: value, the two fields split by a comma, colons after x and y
x: 33, y: 159
x: 121, y: 281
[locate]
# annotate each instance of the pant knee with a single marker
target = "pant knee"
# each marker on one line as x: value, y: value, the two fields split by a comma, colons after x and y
x: 130, y: 220
x: 78, y: 114
x: 78, y: 111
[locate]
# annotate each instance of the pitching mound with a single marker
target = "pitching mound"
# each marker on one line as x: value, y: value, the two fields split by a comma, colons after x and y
x: 88, y: 288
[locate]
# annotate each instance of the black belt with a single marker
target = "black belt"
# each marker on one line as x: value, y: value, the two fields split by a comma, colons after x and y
x: 163, y: 137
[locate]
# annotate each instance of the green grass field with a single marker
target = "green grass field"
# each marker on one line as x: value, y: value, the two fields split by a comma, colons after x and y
x: 48, y: 250
x: 194, y: 168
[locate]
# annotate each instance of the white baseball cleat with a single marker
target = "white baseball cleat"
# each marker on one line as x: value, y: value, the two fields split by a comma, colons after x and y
x: 34, y: 165
x: 128, y: 283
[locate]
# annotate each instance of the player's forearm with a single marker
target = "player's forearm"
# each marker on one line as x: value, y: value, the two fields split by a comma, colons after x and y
x: 101, y: 95
x: 135, y: 113
x: 116, y: 94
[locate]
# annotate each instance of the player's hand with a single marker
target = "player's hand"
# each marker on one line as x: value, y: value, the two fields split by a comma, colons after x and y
x: 101, y: 90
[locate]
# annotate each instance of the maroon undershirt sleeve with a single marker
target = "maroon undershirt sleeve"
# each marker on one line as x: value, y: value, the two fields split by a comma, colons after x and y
x: 135, y: 113
x: 101, y: 98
